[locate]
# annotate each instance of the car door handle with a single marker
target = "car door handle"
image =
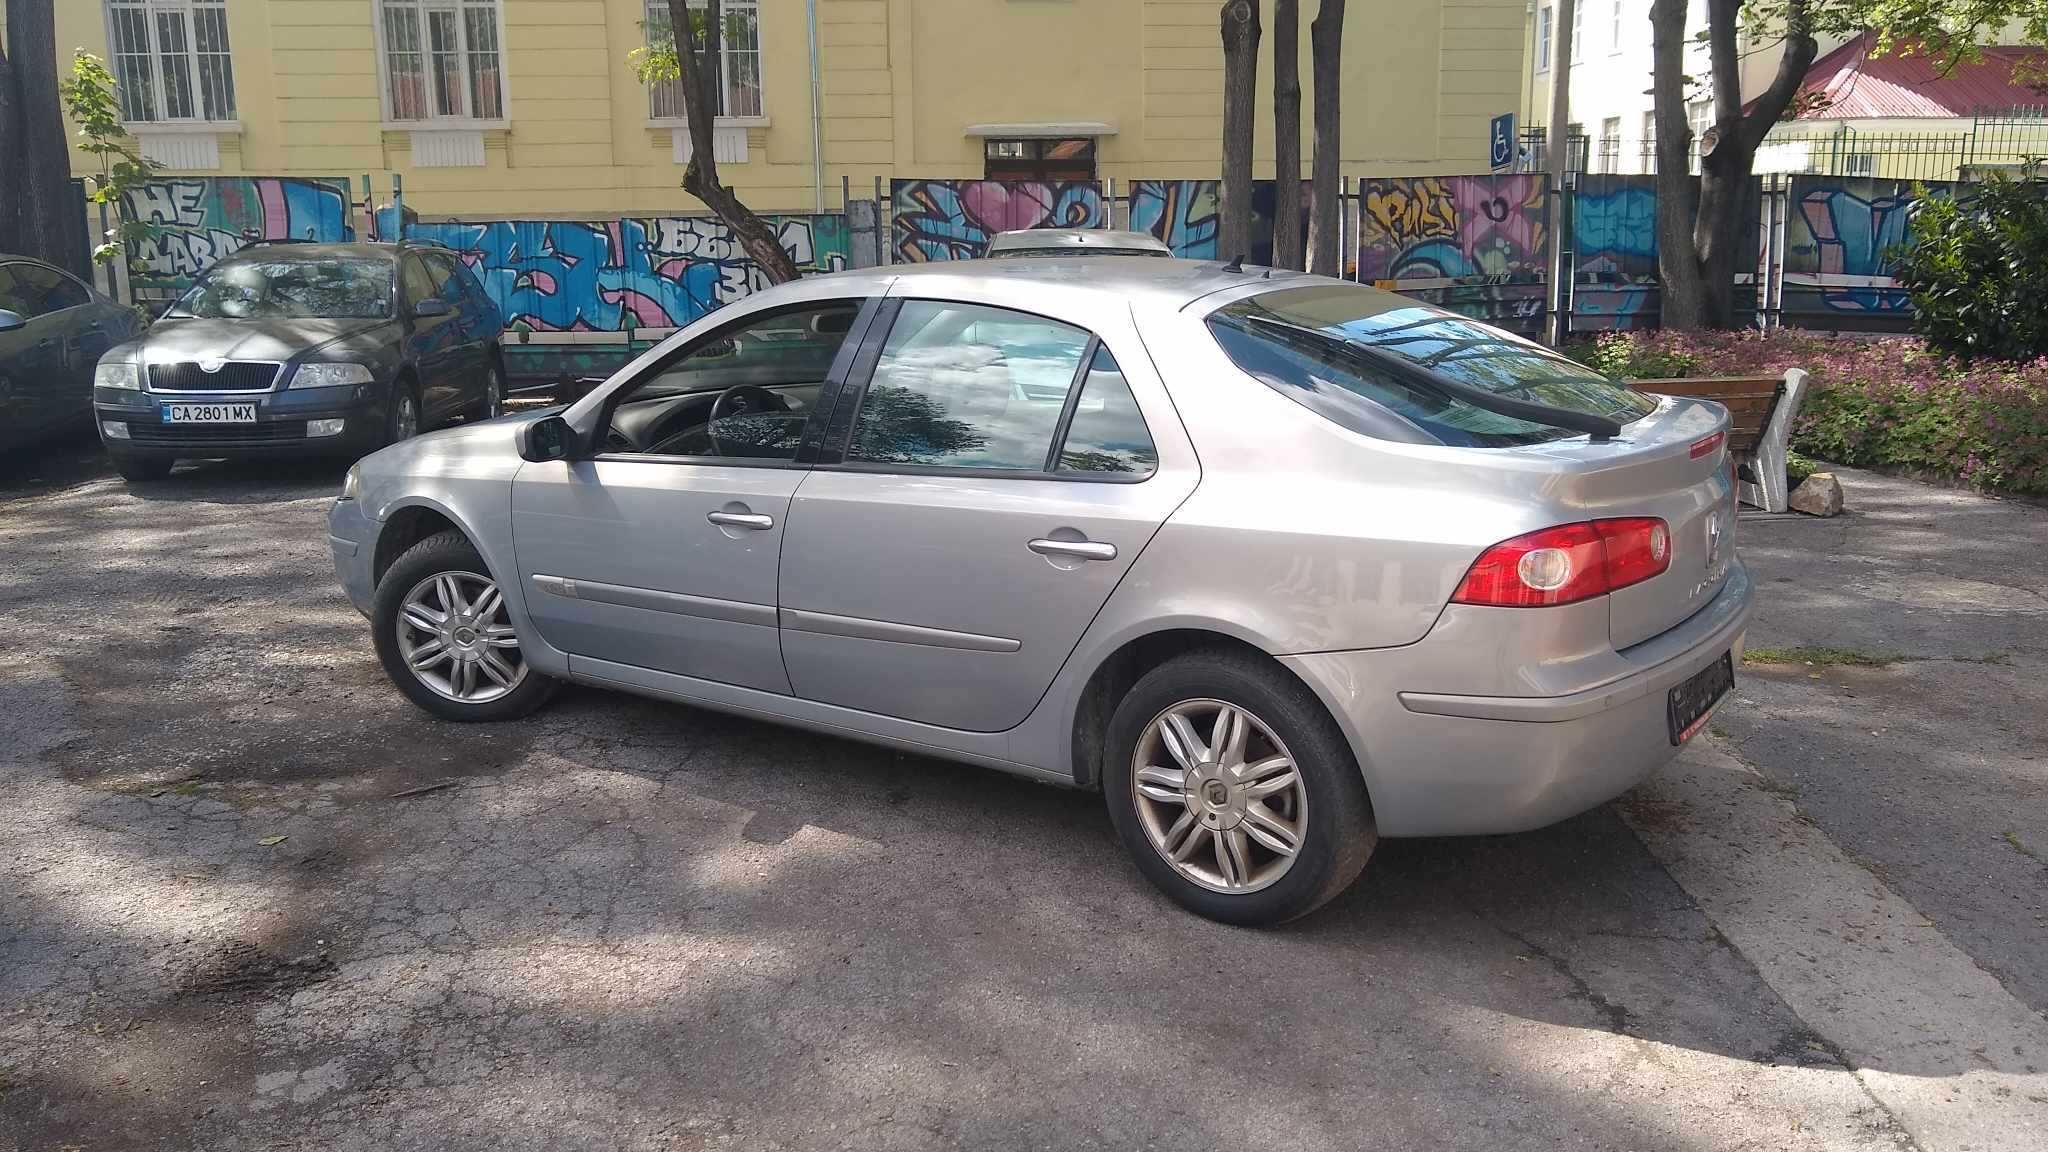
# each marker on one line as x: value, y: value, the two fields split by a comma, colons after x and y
x: 754, y: 521
x: 1079, y: 549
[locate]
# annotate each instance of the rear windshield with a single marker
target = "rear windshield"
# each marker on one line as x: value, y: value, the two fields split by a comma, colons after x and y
x: 1354, y: 355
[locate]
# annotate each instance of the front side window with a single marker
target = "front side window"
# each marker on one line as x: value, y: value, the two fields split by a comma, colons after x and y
x: 441, y: 59
x: 171, y: 59
x: 31, y: 290
x: 745, y: 391
x: 967, y: 386
x: 289, y: 290
x: 1353, y: 355
x: 739, y: 57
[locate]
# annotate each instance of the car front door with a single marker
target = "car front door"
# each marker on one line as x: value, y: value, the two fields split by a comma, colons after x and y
x: 45, y: 374
x: 660, y: 552
x: 473, y: 332
x: 433, y: 343
x: 1001, y: 470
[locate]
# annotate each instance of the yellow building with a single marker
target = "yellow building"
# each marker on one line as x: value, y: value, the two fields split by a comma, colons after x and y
x: 528, y: 108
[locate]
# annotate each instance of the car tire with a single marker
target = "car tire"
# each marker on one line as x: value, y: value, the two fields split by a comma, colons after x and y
x: 403, y: 420
x: 413, y: 588
x: 493, y: 404
x: 143, y: 468
x: 1239, y: 806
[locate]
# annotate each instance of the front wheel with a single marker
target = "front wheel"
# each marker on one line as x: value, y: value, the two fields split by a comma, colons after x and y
x: 446, y: 638
x: 1234, y: 791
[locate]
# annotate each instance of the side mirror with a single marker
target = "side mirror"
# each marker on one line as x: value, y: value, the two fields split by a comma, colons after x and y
x: 431, y: 306
x: 547, y: 439
x: 9, y: 321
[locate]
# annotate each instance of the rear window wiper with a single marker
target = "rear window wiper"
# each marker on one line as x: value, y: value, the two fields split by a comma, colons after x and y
x: 1594, y: 425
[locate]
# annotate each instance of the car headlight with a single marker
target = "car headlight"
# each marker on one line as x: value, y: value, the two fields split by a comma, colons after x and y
x: 331, y: 375
x: 114, y: 375
x: 352, y: 484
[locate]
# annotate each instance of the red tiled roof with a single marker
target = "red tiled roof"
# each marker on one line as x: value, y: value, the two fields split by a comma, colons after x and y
x: 1857, y: 85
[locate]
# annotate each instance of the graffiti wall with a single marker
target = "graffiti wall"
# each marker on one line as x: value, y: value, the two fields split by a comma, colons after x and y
x: 956, y: 219
x: 1838, y: 235
x: 204, y: 218
x: 610, y: 275
x: 1472, y: 244
x: 1183, y: 214
x: 1614, y: 242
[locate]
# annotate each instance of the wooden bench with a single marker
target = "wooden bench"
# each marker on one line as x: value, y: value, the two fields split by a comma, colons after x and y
x: 1761, y: 410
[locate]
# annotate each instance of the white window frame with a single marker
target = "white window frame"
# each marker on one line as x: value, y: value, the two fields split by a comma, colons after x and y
x: 150, y: 10
x: 1579, y: 39
x: 1544, y: 28
x: 725, y: 56
x: 431, y: 121
x: 1859, y: 164
x: 1619, y: 7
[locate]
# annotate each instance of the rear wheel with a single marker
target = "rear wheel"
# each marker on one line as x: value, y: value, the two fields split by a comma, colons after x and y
x: 143, y: 467
x: 494, y: 391
x: 446, y: 638
x: 1234, y: 791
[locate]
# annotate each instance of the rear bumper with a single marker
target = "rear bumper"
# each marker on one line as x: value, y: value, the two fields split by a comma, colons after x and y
x: 1443, y: 763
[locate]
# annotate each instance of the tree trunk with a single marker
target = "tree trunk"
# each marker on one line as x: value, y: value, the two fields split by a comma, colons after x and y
x: 1326, y: 223
x: 1287, y: 246
x: 1240, y: 83
x: 10, y: 145
x: 701, y: 87
x: 48, y: 226
x: 1698, y: 245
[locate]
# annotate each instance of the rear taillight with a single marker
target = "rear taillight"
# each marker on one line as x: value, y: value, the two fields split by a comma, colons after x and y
x: 1568, y: 563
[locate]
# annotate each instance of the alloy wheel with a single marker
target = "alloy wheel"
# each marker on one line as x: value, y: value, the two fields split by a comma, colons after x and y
x: 406, y: 425
x: 494, y: 394
x: 1219, y: 796
x: 456, y: 638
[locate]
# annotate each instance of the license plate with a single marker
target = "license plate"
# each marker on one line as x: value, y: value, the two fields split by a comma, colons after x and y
x: 209, y: 413
x: 1691, y: 702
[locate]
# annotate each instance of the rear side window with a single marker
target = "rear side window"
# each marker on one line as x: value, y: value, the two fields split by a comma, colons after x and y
x: 1107, y: 433
x: 1359, y: 356
x: 967, y: 386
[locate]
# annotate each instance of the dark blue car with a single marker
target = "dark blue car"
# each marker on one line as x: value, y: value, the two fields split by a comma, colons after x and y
x: 303, y: 349
x: 53, y: 329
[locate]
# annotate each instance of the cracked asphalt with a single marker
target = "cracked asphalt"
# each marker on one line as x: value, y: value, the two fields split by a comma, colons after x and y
x: 251, y: 899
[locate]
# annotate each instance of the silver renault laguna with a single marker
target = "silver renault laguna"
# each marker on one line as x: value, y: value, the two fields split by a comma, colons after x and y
x: 1280, y: 564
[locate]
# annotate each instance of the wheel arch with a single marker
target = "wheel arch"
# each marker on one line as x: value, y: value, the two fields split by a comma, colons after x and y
x: 1121, y: 667
x: 406, y: 524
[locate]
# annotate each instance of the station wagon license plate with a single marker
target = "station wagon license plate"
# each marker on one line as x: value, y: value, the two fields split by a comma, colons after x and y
x: 1691, y: 702
x: 209, y: 413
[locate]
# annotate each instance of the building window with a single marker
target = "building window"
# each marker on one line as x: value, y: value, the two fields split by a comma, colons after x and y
x: 442, y: 59
x: 1543, y: 39
x: 1610, y: 144
x: 1579, y: 39
x: 739, y: 57
x: 1615, y: 32
x: 171, y: 59
x: 1049, y: 161
x: 1650, y: 141
x: 1699, y: 116
x: 1859, y: 164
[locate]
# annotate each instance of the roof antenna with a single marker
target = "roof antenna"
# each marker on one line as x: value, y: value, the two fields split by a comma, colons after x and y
x: 1236, y: 265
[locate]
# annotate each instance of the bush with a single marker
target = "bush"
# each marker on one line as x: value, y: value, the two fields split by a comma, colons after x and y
x: 1975, y: 271
x: 1887, y: 403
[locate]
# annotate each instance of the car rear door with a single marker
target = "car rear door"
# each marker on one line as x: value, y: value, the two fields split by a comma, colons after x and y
x: 661, y: 551
x: 989, y: 476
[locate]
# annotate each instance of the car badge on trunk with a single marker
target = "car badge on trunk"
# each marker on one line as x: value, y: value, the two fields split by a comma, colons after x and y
x: 211, y: 366
x: 1713, y: 541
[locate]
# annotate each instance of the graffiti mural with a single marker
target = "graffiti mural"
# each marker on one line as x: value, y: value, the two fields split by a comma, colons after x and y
x: 1472, y: 244
x: 1614, y: 241
x: 607, y: 276
x: 204, y: 218
x: 1838, y: 239
x: 956, y: 219
x: 1184, y: 215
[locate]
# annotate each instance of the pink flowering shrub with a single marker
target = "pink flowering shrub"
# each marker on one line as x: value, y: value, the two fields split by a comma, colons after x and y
x: 1873, y: 402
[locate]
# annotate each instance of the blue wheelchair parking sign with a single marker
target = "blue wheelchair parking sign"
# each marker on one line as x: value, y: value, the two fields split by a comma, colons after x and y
x: 1502, y: 140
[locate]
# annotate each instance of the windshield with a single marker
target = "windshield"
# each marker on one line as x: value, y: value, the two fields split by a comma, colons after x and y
x: 290, y: 290
x: 1353, y: 354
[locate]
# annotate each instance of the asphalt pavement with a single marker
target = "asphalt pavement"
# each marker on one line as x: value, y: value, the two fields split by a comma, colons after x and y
x: 251, y: 899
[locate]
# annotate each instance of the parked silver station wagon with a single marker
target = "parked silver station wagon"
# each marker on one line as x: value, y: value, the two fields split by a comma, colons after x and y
x: 1278, y: 563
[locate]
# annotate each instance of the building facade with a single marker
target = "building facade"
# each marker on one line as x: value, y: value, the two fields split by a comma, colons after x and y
x: 530, y: 108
